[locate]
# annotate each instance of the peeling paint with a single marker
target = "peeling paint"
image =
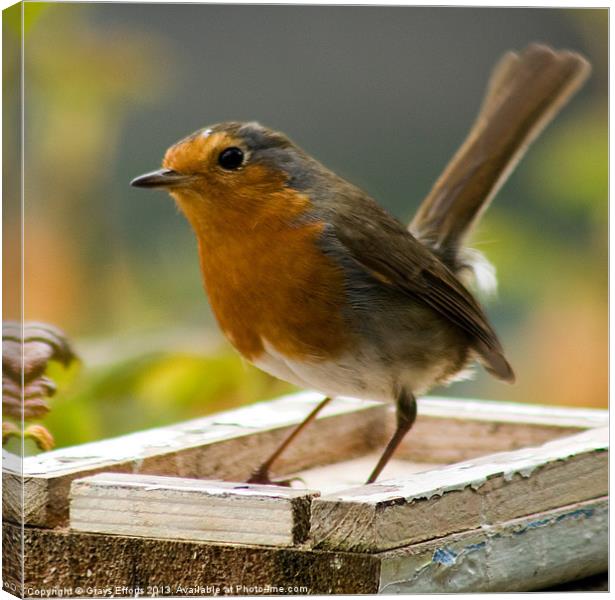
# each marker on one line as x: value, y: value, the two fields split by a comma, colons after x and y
x: 582, y: 512
x: 475, y: 473
x: 550, y: 552
x: 281, y: 412
x: 532, y: 525
x: 447, y: 556
x: 444, y: 556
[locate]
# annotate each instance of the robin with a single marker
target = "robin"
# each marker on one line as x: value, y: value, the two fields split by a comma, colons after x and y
x: 315, y: 283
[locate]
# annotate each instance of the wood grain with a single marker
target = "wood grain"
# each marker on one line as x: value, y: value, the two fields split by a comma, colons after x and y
x: 190, y: 509
x: 450, y: 430
x: 523, y: 554
x: 224, y: 446
x: 62, y: 560
x: 463, y: 496
x: 230, y: 445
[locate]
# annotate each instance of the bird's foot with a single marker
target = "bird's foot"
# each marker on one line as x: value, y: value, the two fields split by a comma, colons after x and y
x: 261, y: 477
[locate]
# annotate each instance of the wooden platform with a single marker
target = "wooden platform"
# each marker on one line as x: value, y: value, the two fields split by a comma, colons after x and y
x: 482, y: 496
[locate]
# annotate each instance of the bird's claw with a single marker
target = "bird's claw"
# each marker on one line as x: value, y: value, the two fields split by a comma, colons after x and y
x: 261, y: 477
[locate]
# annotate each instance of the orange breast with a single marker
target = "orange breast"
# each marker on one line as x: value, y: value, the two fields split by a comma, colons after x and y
x: 268, y: 282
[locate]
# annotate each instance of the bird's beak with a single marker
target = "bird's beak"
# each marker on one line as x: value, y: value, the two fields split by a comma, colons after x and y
x: 163, y: 178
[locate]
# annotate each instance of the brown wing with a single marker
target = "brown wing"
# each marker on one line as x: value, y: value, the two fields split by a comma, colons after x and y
x: 383, y: 248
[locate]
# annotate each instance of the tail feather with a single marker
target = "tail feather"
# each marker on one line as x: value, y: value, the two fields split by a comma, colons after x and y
x: 523, y: 95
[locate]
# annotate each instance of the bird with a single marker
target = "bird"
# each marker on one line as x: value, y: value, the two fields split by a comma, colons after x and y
x: 312, y: 281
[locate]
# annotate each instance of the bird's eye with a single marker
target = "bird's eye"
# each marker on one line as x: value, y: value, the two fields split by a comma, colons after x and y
x: 231, y: 158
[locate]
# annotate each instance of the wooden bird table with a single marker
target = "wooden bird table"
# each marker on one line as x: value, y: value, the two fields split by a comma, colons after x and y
x: 481, y: 496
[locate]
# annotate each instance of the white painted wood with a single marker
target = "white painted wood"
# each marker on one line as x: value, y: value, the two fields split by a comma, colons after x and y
x: 450, y: 430
x: 524, y: 554
x: 282, y: 412
x: 230, y: 445
x: 467, y: 495
x: 189, y: 509
x: 513, y: 412
x: 227, y: 445
x: 475, y: 473
x: 134, y: 447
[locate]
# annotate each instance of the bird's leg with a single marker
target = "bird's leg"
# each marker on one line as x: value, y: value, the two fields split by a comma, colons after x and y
x: 261, y: 475
x: 406, y: 415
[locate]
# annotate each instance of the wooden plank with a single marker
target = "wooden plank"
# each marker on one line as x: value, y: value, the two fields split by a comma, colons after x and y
x: 525, y: 554
x: 340, y: 476
x: 463, y: 496
x: 496, y: 411
x: 75, y: 562
x: 224, y: 446
x: 474, y: 428
x: 230, y: 445
x: 190, y: 509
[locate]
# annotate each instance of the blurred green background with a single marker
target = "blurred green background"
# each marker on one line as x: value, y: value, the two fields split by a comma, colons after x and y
x: 383, y: 96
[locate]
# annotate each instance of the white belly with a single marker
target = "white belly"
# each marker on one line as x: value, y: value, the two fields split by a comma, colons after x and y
x: 360, y: 375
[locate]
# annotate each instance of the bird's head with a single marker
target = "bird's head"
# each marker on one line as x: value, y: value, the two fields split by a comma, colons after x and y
x: 236, y: 167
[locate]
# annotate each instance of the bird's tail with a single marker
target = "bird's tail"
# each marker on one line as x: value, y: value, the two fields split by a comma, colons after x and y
x: 524, y: 94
